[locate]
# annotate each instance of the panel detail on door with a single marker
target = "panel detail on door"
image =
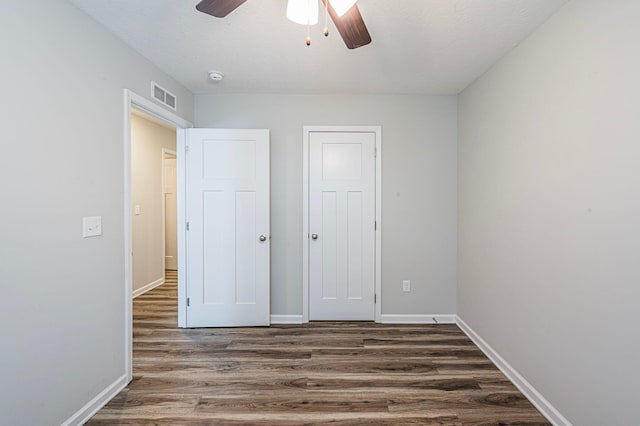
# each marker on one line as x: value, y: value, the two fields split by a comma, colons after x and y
x: 341, y: 223
x: 229, y: 159
x: 245, y: 247
x: 228, y: 213
x: 341, y: 161
x: 329, y: 232
x: 354, y: 244
x: 217, y: 277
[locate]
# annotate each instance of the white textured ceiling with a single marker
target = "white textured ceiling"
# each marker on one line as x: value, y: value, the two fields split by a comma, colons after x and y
x: 419, y: 46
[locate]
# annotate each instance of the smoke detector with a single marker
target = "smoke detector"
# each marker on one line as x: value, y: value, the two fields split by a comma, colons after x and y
x: 215, y: 76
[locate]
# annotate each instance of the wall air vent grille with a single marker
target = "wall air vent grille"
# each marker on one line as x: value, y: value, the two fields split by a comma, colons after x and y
x: 163, y: 96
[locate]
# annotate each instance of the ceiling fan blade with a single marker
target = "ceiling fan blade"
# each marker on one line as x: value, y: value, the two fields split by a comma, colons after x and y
x: 351, y: 26
x: 218, y: 8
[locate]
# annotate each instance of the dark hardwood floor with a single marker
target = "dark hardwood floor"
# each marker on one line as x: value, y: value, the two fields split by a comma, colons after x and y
x: 320, y: 373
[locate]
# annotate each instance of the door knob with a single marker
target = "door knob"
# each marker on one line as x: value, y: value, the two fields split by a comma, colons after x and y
x: 262, y: 238
x: 314, y: 236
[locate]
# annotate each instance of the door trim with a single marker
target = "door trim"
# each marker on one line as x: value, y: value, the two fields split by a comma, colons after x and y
x: 132, y: 100
x: 306, y: 130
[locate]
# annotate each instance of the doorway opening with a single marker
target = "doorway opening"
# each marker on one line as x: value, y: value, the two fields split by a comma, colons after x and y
x: 158, y: 132
x: 153, y: 195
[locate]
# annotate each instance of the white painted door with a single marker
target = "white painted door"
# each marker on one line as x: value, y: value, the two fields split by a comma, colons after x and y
x: 170, y: 214
x: 341, y: 226
x: 227, y: 175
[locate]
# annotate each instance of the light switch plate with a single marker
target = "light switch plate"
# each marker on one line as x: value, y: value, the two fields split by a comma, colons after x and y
x: 406, y: 286
x: 137, y: 209
x: 91, y: 226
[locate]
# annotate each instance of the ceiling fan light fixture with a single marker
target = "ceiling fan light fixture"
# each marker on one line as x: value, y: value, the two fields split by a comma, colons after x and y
x: 342, y: 6
x: 304, y: 12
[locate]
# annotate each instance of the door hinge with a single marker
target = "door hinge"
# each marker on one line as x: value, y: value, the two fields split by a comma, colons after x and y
x: 375, y: 225
x: 375, y: 298
x: 187, y: 226
x: 375, y: 152
x: 188, y: 302
x: 186, y: 148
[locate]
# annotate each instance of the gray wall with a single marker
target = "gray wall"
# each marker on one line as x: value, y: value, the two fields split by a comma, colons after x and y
x: 419, y: 145
x: 549, y: 210
x: 62, y: 304
x: 147, y: 164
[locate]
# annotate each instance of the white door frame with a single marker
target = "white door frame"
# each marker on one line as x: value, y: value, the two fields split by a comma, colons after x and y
x: 377, y: 130
x: 165, y: 152
x: 132, y: 100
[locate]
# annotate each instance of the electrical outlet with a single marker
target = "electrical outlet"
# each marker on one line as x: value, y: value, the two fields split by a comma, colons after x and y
x: 406, y: 286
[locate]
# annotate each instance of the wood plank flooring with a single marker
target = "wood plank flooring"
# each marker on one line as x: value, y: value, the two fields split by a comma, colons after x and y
x: 320, y: 373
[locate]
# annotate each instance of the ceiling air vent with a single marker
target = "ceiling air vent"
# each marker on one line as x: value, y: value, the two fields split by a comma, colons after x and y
x: 163, y: 96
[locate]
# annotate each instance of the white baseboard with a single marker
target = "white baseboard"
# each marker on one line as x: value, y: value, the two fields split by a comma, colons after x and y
x: 286, y: 319
x: 417, y: 319
x: 83, y: 415
x: 146, y: 288
x: 385, y: 319
x: 536, y: 398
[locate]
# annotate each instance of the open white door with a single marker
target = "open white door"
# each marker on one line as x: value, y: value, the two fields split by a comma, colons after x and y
x: 227, y: 198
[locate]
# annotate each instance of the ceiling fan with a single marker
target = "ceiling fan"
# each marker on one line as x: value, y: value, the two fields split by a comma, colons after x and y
x: 350, y: 25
